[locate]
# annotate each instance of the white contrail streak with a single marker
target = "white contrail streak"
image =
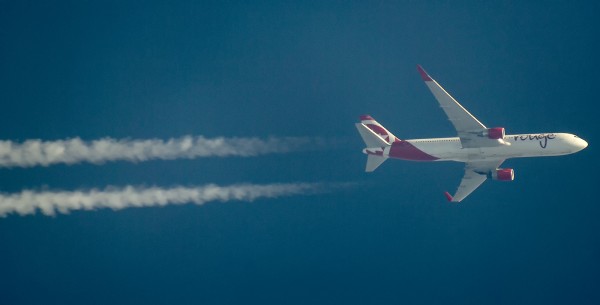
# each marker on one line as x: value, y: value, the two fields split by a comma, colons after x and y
x: 51, y: 202
x: 44, y: 153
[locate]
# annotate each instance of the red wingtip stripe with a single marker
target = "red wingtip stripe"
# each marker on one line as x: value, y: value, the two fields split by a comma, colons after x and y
x: 424, y: 74
x: 448, y: 196
x: 365, y: 117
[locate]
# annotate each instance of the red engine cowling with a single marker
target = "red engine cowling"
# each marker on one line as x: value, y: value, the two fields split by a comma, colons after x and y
x: 496, y: 133
x: 503, y: 174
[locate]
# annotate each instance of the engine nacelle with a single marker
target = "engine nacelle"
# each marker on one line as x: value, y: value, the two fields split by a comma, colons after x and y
x: 496, y: 133
x: 503, y: 174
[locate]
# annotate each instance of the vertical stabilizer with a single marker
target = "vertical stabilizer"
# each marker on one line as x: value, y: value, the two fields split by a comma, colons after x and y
x: 377, y: 128
x: 376, y: 139
x: 370, y: 138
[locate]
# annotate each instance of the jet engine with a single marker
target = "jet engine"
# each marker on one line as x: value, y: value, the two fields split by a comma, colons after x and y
x: 503, y: 174
x: 496, y: 133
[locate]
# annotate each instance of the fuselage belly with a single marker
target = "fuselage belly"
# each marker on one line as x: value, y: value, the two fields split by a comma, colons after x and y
x: 450, y: 149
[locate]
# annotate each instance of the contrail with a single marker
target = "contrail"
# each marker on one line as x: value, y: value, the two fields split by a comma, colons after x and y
x: 50, y: 202
x: 44, y: 153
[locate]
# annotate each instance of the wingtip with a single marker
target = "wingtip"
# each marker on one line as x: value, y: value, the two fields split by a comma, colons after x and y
x: 448, y: 196
x: 424, y: 74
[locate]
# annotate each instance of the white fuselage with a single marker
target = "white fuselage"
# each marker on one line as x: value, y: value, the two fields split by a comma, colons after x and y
x: 515, y: 146
x: 483, y: 149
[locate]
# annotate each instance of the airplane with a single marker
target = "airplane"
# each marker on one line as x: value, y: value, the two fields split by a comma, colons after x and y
x: 482, y: 149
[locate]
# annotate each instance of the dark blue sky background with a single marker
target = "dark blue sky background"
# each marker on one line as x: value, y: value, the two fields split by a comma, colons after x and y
x: 299, y: 68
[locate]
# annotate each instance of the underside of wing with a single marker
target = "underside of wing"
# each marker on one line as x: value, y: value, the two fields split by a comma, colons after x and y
x: 475, y: 174
x: 470, y: 131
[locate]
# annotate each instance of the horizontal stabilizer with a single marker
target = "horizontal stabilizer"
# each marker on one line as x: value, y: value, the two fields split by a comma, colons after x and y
x: 370, y: 138
x: 373, y: 162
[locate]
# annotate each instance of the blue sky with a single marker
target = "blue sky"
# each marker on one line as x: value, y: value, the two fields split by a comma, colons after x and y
x: 126, y: 69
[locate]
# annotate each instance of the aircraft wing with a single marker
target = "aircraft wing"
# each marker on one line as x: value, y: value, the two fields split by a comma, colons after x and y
x: 475, y: 175
x: 469, y: 129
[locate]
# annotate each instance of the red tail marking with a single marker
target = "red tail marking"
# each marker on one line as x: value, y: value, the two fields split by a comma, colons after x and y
x: 377, y: 129
x: 405, y: 150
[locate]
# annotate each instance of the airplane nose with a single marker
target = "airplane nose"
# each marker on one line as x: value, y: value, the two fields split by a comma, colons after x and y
x: 581, y: 143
